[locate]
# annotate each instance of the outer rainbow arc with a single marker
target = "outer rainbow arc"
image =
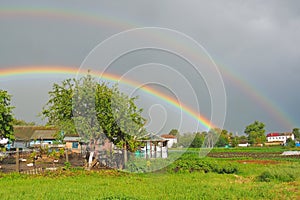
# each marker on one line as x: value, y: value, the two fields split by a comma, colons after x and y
x: 68, y: 14
x: 29, y: 70
x: 96, y: 19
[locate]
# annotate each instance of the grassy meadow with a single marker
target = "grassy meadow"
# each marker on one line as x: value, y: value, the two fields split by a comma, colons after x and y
x: 187, y: 178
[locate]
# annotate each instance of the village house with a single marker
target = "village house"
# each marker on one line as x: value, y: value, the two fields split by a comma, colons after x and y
x: 73, y: 143
x: 278, y: 138
x: 28, y: 136
x: 43, y: 137
x: 153, y: 147
x: 171, y: 139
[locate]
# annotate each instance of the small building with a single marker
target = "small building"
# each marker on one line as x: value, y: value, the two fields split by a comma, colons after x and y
x: 43, y: 137
x: 73, y: 143
x: 23, y: 136
x: 27, y: 136
x: 154, y: 146
x: 279, y: 137
x: 171, y: 139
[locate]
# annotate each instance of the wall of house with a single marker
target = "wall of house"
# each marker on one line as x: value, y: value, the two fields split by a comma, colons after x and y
x: 281, y: 138
x: 171, y: 141
x: 20, y: 144
x: 74, y: 146
x: 32, y: 143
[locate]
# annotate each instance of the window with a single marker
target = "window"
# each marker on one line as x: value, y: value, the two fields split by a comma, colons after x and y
x: 74, y: 145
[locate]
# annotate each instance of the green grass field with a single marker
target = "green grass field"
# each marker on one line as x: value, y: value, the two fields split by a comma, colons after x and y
x: 270, y: 179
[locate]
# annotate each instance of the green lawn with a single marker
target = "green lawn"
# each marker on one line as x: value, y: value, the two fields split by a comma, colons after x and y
x: 273, y: 149
x: 161, y: 185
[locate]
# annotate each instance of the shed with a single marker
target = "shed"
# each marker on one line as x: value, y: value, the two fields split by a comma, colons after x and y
x: 43, y: 136
x: 23, y: 136
x: 171, y: 139
x: 154, y: 146
x: 73, y: 143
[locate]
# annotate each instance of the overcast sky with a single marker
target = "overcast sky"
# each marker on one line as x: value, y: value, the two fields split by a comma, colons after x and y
x: 255, y: 45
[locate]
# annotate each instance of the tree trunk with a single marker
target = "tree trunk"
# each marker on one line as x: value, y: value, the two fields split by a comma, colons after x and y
x: 91, y: 158
x: 125, y: 155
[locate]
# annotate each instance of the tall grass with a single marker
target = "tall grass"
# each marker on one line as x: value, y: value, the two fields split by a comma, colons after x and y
x: 111, y: 184
x: 205, y: 178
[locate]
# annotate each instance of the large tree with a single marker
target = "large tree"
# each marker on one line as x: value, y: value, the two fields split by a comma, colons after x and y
x: 256, y: 133
x: 20, y: 122
x: 198, y: 140
x: 296, y: 133
x: 212, y: 137
x: 6, y: 117
x: 174, y: 132
x: 97, y: 110
x: 58, y: 109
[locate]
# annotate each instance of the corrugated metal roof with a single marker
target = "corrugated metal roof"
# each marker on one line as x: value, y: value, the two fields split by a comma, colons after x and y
x: 152, y: 137
x: 71, y: 139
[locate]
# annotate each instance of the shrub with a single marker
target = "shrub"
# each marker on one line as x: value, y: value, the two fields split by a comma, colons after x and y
x: 67, y: 165
x: 197, y: 164
x: 281, y: 176
x: 266, y: 176
x: 141, y: 165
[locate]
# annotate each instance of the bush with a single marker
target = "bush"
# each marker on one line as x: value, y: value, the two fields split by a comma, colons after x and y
x: 141, y: 165
x: 266, y: 176
x: 67, y: 165
x: 281, y: 176
x: 200, y: 165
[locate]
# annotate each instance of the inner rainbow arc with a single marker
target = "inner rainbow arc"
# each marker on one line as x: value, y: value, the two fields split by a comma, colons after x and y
x: 30, y: 70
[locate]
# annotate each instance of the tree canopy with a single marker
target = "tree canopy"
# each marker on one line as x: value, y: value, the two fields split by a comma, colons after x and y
x: 296, y: 133
x: 20, y: 122
x: 256, y: 133
x: 6, y: 116
x: 95, y: 110
x: 174, y: 132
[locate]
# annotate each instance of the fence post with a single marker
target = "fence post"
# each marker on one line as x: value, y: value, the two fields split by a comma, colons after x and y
x: 67, y: 158
x: 17, y: 160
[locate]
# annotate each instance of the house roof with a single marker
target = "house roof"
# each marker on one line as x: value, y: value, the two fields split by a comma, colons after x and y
x: 33, y: 132
x: 72, y: 139
x: 153, y: 137
x: 44, y: 134
x: 23, y: 132
x: 279, y: 134
x: 168, y: 136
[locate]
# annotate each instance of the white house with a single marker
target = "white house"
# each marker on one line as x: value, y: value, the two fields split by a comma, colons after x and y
x: 171, y: 139
x: 279, y: 137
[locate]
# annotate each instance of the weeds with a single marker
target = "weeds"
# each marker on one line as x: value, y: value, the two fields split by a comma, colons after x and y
x: 278, y: 175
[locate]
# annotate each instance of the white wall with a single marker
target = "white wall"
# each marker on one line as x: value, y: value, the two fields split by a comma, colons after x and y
x: 171, y: 141
x: 281, y: 138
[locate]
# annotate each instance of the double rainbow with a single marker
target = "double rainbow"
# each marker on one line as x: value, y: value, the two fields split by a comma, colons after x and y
x: 95, y: 19
x: 65, y: 70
